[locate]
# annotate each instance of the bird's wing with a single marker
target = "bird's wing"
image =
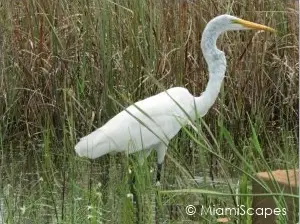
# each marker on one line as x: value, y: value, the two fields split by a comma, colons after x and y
x: 142, y: 125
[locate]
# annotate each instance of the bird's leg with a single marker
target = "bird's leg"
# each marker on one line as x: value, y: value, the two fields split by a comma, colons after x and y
x: 158, y: 175
x: 161, y: 152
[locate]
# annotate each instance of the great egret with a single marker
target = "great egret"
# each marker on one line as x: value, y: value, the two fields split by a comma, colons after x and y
x: 151, y: 123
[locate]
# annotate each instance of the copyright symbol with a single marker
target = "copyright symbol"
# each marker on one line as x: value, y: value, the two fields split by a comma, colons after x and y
x: 190, y: 210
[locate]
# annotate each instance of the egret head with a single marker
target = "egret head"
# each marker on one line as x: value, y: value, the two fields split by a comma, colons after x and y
x: 227, y: 22
x: 214, y: 57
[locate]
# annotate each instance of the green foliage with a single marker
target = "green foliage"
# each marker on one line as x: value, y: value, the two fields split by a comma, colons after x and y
x: 69, y: 66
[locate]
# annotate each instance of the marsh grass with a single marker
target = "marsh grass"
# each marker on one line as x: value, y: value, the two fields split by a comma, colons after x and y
x: 67, y: 67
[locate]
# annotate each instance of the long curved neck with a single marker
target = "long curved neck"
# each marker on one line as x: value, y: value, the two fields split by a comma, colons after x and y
x: 216, y: 62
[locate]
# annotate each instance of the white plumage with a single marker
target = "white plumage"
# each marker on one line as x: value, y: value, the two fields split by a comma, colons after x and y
x: 153, y: 122
x: 143, y: 125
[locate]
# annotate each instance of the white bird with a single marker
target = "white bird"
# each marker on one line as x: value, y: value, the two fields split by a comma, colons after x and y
x: 151, y: 123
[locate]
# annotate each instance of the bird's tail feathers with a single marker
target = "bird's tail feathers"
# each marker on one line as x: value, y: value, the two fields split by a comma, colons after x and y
x: 92, y: 146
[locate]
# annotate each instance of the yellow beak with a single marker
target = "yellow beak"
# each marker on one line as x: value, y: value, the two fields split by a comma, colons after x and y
x: 254, y: 26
